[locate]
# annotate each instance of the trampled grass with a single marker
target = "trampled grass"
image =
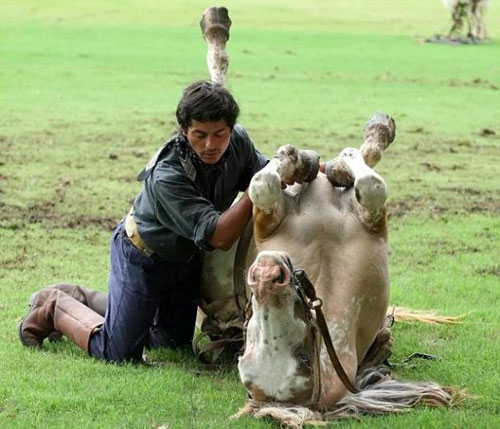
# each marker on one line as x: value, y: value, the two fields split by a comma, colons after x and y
x: 87, y: 93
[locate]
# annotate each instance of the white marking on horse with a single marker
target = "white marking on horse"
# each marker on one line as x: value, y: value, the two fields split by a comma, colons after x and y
x: 274, y: 333
x: 265, y: 189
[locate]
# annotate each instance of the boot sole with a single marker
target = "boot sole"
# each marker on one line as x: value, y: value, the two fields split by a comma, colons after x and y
x: 20, y: 327
x: 20, y: 333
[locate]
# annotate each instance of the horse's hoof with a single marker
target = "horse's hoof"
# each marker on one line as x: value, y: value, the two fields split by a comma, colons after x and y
x: 310, y: 165
x: 338, y: 174
x: 382, y: 125
x: 215, y: 23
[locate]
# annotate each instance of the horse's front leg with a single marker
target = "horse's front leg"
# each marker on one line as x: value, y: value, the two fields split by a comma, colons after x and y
x: 288, y: 166
x: 369, y: 187
x: 215, y: 25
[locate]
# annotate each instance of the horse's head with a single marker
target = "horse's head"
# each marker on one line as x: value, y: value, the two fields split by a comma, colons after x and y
x: 280, y: 361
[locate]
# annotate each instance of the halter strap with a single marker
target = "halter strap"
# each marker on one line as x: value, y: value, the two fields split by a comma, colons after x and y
x: 308, y: 296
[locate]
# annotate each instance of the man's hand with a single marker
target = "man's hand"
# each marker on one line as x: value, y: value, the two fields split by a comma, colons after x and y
x: 231, y: 223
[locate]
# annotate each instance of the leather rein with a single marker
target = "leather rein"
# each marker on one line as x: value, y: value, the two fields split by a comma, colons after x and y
x: 307, y: 294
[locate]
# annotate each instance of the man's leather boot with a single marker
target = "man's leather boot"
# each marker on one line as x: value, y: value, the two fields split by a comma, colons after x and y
x: 95, y: 300
x: 54, y: 310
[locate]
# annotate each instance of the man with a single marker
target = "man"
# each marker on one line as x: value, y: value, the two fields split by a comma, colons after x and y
x: 184, y: 208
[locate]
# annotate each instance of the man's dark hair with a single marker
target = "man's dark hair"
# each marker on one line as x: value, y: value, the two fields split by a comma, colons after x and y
x: 206, y: 102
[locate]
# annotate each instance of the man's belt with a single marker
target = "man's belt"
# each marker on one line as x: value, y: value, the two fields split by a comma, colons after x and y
x: 133, y: 235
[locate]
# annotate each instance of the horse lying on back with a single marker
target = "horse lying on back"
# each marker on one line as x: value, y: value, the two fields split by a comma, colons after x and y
x: 334, y: 227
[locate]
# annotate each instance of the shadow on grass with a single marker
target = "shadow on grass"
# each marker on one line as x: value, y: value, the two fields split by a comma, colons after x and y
x: 179, y: 359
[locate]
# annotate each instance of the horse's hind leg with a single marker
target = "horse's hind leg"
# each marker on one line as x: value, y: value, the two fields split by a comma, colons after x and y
x: 381, y: 348
x: 369, y: 187
x: 379, y: 133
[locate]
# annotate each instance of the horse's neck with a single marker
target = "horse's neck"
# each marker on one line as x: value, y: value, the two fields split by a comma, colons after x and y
x: 277, y: 325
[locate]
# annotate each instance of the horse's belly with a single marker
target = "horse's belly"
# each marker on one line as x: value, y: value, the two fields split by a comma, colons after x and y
x: 348, y: 266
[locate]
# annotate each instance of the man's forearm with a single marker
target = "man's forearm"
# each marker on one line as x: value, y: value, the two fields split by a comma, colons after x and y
x: 231, y: 223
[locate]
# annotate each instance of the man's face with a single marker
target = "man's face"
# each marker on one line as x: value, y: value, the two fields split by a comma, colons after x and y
x: 209, y: 140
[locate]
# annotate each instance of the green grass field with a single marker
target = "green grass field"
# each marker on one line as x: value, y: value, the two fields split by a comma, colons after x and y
x: 88, y: 91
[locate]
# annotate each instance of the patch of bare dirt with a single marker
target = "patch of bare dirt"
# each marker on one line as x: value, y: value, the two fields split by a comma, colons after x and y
x: 489, y: 206
x: 462, y: 143
x: 391, y: 77
x: 139, y: 153
x: 418, y: 130
x: 474, y: 83
x: 15, y: 218
x: 486, y: 132
x: 430, y: 167
x: 474, y: 203
x: 15, y: 262
x: 490, y: 271
x: 399, y: 208
x: 460, y: 190
x: 447, y: 248
x: 469, y: 146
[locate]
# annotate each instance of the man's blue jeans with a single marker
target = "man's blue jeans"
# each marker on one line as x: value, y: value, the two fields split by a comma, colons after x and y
x: 150, y: 303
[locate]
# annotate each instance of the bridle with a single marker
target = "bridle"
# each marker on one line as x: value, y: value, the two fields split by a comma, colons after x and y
x: 307, y: 293
x: 317, y: 326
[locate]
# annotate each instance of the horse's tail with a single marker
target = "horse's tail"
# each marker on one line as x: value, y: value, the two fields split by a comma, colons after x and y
x: 379, y: 394
x: 401, y: 314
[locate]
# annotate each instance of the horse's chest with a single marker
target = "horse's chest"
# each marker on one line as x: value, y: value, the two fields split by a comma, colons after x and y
x: 320, y: 213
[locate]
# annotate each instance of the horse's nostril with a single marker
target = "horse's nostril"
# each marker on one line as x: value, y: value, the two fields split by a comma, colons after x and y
x: 280, y: 278
x: 251, y: 276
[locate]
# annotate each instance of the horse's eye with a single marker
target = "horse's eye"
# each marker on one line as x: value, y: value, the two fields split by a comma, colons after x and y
x: 305, y: 359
